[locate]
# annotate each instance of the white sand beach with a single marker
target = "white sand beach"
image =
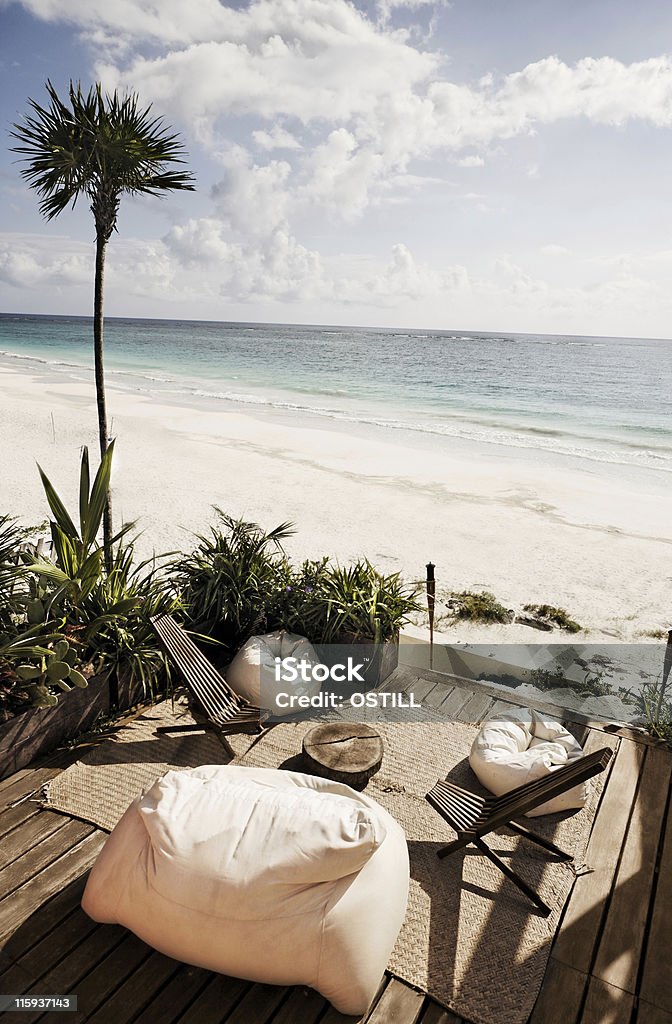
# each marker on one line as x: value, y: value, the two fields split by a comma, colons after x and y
x: 585, y: 542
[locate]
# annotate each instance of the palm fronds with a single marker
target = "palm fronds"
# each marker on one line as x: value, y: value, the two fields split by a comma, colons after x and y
x: 101, y: 146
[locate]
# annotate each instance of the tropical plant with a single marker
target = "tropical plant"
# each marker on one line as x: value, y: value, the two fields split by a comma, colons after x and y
x: 350, y: 603
x: 120, y: 608
x: 58, y: 668
x: 228, y: 586
x: 61, y: 586
x: 657, y: 708
x: 105, y: 608
x: 101, y: 146
x: 12, y: 584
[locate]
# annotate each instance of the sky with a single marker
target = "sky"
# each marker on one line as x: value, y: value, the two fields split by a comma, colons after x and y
x: 465, y: 165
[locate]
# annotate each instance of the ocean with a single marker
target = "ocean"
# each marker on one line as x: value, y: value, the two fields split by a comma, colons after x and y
x: 600, y: 404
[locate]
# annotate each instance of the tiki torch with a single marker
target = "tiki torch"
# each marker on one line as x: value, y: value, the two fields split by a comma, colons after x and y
x: 667, y: 664
x: 431, y: 593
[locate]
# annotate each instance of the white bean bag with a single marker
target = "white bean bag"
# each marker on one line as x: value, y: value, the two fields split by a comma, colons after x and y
x: 252, y: 673
x: 273, y: 876
x: 519, y: 746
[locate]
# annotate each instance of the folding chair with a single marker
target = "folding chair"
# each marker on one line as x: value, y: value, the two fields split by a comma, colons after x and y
x: 473, y: 817
x: 226, y: 711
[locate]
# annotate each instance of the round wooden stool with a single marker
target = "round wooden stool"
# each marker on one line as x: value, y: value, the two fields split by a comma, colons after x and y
x: 343, y: 752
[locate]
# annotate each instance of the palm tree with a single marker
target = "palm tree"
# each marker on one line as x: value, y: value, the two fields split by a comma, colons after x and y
x: 101, y: 147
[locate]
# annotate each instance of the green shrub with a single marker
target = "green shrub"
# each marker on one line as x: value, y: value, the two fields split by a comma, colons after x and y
x: 556, y: 616
x: 72, y: 598
x: 232, y: 585
x: 348, y: 603
x: 477, y: 607
x: 657, y: 708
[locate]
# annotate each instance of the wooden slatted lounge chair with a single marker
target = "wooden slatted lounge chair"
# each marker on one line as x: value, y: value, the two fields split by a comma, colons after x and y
x: 226, y: 711
x: 473, y: 817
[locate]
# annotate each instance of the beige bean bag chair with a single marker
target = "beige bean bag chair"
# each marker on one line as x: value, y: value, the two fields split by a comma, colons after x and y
x: 269, y: 875
x: 519, y: 746
x: 252, y: 673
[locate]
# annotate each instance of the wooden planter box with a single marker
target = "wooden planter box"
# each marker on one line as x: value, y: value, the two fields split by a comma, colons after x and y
x: 39, y: 730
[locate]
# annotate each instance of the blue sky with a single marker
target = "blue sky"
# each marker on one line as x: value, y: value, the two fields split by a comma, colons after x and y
x: 472, y: 165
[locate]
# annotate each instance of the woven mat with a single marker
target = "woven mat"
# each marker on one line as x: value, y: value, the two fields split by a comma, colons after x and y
x: 470, y: 939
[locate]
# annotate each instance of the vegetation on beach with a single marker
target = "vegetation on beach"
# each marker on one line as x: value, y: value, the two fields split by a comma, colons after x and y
x: 555, y: 616
x: 238, y: 582
x: 68, y: 616
x: 100, y: 147
x: 71, y: 614
x: 655, y: 634
x: 477, y: 606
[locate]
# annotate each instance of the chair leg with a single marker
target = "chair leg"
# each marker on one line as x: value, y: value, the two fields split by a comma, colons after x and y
x: 513, y: 877
x: 526, y: 833
x: 192, y: 727
x: 457, y: 844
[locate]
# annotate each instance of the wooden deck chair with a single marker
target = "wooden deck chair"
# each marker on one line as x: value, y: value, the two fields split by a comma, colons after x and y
x: 226, y: 711
x: 473, y: 817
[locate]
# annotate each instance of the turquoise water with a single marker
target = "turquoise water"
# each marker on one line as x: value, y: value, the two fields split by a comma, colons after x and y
x: 587, y: 400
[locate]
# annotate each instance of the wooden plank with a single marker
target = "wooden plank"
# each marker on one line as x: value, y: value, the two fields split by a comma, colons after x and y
x: 71, y: 974
x: 561, y: 995
x: 656, y: 987
x: 215, y: 1001
x: 63, y: 836
x: 620, y: 948
x: 500, y: 707
x: 101, y: 966
x: 258, y: 1004
x: 47, y: 917
x: 22, y: 841
x: 16, y: 777
x: 175, y: 996
x: 17, y: 907
x: 455, y: 701
x: 475, y: 709
x: 14, y: 817
x: 399, y: 1004
x: 419, y: 688
x: 435, y: 1014
x: 137, y: 991
x: 304, y: 1005
x: 70, y: 933
x: 26, y: 785
x: 606, y: 1004
x: 647, y: 1013
x: 582, y: 921
x: 436, y: 697
x: 633, y: 733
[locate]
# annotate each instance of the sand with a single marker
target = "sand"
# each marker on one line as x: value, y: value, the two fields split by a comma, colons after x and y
x: 589, y: 543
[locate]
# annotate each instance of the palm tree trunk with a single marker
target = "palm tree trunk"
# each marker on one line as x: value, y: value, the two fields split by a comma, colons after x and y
x: 101, y: 244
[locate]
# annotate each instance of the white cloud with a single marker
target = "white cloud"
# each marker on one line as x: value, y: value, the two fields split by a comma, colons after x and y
x: 364, y: 99
x: 341, y: 112
x: 29, y: 262
x: 276, y: 138
x: 253, y: 198
x: 555, y: 250
x: 387, y: 7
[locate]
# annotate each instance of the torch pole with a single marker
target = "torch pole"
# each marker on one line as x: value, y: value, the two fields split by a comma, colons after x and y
x: 431, y: 594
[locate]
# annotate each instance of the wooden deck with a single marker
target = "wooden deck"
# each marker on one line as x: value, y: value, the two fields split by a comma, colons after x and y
x: 610, y: 962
